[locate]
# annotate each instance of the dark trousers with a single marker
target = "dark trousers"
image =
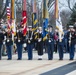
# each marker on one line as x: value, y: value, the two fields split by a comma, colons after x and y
x: 60, y: 49
x: 19, y: 50
x: 50, y: 50
x: 0, y: 50
x: 55, y: 47
x: 29, y: 48
x: 9, y: 51
x: 40, y: 48
x: 68, y: 47
x: 72, y: 50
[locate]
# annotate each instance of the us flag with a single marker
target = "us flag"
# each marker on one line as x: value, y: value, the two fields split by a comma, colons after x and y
x: 8, y: 9
x: 8, y: 13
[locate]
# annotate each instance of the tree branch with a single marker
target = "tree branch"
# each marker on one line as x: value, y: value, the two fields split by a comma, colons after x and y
x: 69, y: 5
x: 1, y: 15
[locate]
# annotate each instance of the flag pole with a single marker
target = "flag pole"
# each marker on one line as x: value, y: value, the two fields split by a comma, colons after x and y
x: 45, y: 16
x: 13, y: 19
x: 58, y: 20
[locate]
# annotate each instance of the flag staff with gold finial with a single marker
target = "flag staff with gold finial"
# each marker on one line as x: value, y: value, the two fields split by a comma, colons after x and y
x: 13, y: 17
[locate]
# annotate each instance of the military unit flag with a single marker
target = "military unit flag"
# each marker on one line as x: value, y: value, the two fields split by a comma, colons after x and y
x: 34, y: 18
x: 24, y: 18
x: 58, y: 20
x: 13, y: 17
x: 45, y: 16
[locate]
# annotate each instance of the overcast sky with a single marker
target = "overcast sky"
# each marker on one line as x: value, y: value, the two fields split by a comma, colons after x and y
x: 62, y: 3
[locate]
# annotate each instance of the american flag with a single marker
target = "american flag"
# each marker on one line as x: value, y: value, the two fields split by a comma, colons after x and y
x: 8, y: 13
x: 8, y: 9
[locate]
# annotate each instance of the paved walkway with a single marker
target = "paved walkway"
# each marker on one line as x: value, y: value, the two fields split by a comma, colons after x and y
x: 34, y: 67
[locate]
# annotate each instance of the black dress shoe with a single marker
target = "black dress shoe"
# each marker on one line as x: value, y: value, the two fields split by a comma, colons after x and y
x: 39, y: 59
x: 19, y: 59
x: 50, y: 59
x: 60, y: 59
x: 29, y: 59
x: 9, y: 59
x: 71, y: 59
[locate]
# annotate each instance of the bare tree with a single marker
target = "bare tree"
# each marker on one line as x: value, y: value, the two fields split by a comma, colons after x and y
x: 2, y: 10
x: 71, y: 4
x: 65, y: 15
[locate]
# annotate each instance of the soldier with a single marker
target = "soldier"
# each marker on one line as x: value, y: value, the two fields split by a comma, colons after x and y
x: 1, y: 41
x: 9, y: 43
x: 40, y: 44
x: 19, y: 42
x: 29, y: 41
x: 60, y: 45
x: 50, y: 41
x: 71, y: 39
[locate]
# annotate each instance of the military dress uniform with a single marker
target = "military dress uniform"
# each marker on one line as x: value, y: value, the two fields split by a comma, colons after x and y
x: 29, y: 41
x: 40, y: 45
x: 19, y: 43
x: 1, y: 42
x: 50, y: 42
x: 60, y: 46
x: 71, y: 39
x: 9, y: 44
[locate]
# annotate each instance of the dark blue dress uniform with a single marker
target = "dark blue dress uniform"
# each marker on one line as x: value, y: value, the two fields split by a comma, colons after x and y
x: 29, y: 41
x: 71, y: 36
x: 40, y: 45
x: 9, y: 44
x: 50, y: 42
x: 60, y: 47
x: 19, y: 43
x: 1, y: 42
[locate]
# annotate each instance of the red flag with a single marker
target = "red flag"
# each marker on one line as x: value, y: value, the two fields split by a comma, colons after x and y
x: 24, y: 21
x: 24, y: 18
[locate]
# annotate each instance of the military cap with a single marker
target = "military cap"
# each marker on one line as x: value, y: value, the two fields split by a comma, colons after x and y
x: 71, y: 26
x: 29, y: 26
x: 50, y: 26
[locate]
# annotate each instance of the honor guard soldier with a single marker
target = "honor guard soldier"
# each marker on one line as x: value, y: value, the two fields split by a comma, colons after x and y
x: 29, y: 41
x: 60, y: 45
x: 40, y: 43
x: 9, y: 43
x: 71, y: 39
x: 50, y: 42
x: 1, y: 41
x: 19, y: 42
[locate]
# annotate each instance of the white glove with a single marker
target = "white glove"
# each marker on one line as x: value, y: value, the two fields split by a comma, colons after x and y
x: 39, y: 40
x: 24, y: 45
